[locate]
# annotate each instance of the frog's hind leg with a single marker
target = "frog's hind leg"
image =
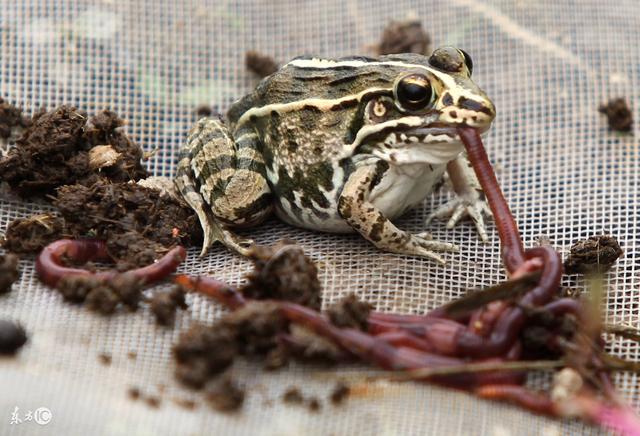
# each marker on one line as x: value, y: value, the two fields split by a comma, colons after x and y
x: 207, y: 171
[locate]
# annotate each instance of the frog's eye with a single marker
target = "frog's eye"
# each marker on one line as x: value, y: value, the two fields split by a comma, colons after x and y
x: 414, y: 92
x: 467, y: 61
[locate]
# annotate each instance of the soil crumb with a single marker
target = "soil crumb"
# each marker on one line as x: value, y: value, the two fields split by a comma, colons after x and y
x: 11, y: 119
x: 186, y: 403
x: 104, y: 297
x: 153, y: 401
x: 56, y: 149
x: 204, y: 111
x: 597, y: 254
x: 283, y: 272
x: 406, y: 36
x: 339, y: 393
x: 225, y: 395
x: 260, y: 63
x: 12, y: 337
x: 139, y: 224
x: 165, y: 304
x: 293, y: 396
x: 31, y: 235
x: 134, y: 393
x: 9, y: 272
x: 350, y: 312
x: 619, y: 115
x: 105, y: 359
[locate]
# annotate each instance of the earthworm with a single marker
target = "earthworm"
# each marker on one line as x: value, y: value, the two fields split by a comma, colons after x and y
x: 512, y: 249
x: 50, y: 269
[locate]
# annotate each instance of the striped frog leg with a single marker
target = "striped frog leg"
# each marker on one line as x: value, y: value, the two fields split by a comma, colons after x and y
x: 354, y: 206
x: 469, y: 200
x: 223, y: 182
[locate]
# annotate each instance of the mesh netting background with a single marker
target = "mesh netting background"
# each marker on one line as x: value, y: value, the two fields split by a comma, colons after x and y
x: 546, y: 64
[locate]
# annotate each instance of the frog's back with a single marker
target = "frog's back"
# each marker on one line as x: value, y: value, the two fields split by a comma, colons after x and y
x: 306, y: 78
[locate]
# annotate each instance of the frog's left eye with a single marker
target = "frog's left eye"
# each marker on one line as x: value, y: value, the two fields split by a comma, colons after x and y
x: 467, y: 61
x: 414, y: 92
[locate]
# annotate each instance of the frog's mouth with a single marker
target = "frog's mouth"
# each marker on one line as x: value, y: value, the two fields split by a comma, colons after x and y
x: 435, y: 144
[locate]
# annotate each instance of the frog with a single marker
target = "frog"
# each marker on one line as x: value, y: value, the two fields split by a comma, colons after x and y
x: 341, y: 145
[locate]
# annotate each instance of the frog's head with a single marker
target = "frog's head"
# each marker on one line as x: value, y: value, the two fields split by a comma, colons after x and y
x: 430, y: 98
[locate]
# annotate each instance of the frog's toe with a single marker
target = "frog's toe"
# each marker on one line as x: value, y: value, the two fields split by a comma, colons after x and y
x: 424, y: 245
x: 460, y: 207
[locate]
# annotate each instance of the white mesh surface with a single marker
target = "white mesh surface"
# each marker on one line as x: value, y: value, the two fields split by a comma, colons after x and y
x: 546, y: 64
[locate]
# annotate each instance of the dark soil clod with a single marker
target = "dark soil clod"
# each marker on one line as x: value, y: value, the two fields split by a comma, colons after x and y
x: 30, y: 235
x: 55, y: 150
x: 283, y: 272
x: 204, y: 111
x: 350, y: 312
x: 139, y: 224
x: 261, y: 64
x: 203, y: 352
x: 404, y: 37
x: 12, y: 337
x: 9, y: 272
x: 165, y: 304
x: 596, y: 254
x: 339, y: 393
x: 102, y: 296
x: 618, y: 114
x: 225, y: 395
x: 105, y: 359
x: 293, y: 396
x: 11, y: 119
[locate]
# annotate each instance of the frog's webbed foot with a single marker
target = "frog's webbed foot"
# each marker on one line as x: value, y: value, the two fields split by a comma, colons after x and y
x: 469, y: 201
x: 217, y: 232
x: 371, y: 223
x: 421, y: 244
x: 472, y: 205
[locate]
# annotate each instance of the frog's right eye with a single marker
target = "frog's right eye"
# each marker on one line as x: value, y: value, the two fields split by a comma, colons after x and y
x: 414, y: 92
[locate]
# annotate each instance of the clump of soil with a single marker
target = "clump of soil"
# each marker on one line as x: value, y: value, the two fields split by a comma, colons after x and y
x: 225, y: 395
x: 306, y: 346
x: 105, y: 359
x: 260, y: 63
x: 204, y: 111
x: 283, y: 272
x: 618, y: 114
x: 9, y: 272
x: 134, y: 393
x: 12, y: 337
x: 56, y: 150
x: 11, y: 119
x: 350, y: 312
x: 596, y: 254
x: 404, y: 37
x: 202, y: 352
x: 31, y: 235
x: 165, y: 304
x: 101, y: 296
x: 294, y: 396
x: 139, y: 224
x: 339, y: 393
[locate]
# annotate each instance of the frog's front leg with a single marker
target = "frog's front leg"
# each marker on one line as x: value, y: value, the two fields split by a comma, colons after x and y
x: 469, y: 200
x: 356, y: 209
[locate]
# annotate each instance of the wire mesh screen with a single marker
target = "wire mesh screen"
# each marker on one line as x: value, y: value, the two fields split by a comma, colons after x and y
x: 547, y: 65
